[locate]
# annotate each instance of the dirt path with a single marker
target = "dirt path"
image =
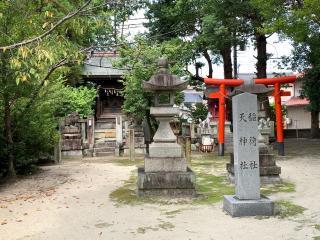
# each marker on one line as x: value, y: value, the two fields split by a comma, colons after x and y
x: 71, y: 201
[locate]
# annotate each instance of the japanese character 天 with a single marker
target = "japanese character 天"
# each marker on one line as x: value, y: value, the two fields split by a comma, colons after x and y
x: 242, y: 117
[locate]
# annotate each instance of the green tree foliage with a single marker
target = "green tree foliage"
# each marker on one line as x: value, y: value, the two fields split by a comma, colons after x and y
x: 142, y: 59
x: 299, y: 21
x: 199, y: 111
x: 180, y: 19
x: 79, y: 100
x: 41, y: 43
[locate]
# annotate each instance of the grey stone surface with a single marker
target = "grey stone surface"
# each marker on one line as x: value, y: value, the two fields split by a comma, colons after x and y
x: 165, y: 171
x: 239, y: 208
x: 263, y: 179
x: 119, y: 130
x: 164, y: 111
x: 245, y: 142
x: 165, y: 150
x: 171, y: 183
x: 164, y: 132
x: 163, y: 79
x: 160, y: 164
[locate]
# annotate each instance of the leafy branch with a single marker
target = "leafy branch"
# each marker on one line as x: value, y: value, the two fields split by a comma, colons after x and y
x: 43, y: 35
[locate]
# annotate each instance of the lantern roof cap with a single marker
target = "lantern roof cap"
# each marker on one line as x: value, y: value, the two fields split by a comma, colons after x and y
x: 163, y: 80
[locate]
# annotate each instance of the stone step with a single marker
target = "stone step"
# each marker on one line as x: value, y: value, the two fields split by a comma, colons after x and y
x: 105, y: 144
x: 104, y: 154
x: 104, y: 149
x: 105, y: 133
x: 105, y: 125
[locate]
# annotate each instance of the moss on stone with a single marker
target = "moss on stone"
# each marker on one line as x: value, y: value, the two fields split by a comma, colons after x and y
x: 317, y: 226
x: 286, y: 209
x: 316, y: 238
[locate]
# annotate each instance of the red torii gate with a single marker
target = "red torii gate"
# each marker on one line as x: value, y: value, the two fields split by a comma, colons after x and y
x: 222, y: 83
x: 277, y: 93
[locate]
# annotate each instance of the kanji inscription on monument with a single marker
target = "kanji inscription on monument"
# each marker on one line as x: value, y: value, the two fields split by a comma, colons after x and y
x: 246, y: 152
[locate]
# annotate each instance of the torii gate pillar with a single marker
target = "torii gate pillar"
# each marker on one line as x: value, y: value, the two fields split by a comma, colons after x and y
x: 222, y: 83
x: 277, y: 93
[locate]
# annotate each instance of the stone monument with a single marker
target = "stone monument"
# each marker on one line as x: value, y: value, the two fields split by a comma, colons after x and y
x: 247, y: 201
x: 269, y: 171
x: 165, y: 170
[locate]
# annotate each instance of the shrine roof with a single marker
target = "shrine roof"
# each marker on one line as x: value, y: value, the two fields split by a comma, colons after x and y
x: 297, y: 101
x: 193, y: 96
x: 99, y: 64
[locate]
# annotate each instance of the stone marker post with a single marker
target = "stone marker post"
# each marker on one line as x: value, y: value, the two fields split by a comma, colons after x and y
x: 247, y: 201
x: 131, y: 145
x: 188, y: 149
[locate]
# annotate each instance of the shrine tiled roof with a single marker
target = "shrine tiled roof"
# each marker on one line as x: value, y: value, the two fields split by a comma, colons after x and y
x: 297, y: 101
x: 99, y: 64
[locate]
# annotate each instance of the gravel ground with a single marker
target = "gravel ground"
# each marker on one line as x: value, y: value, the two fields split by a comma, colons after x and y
x: 71, y: 201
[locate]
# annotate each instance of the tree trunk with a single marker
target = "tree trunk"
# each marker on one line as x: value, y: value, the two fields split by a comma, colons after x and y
x: 261, y: 43
x: 315, y: 133
x: 227, y: 62
x: 208, y: 58
x: 227, y: 67
x: 235, y: 62
x: 8, y: 138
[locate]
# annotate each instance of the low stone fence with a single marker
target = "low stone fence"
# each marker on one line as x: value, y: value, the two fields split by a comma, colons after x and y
x: 77, y: 136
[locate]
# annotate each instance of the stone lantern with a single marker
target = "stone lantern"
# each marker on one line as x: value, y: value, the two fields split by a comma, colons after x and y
x: 165, y: 169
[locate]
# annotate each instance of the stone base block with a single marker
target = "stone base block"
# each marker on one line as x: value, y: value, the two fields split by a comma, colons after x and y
x: 241, y: 208
x: 153, y: 164
x: 166, y: 183
x: 163, y: 150
x: 167, y: 192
